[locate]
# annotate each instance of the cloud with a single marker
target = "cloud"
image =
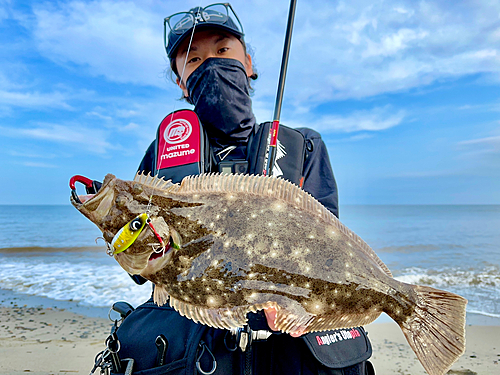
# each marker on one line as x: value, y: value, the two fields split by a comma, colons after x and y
x: 3, y: 13
x: 23, y: 90
x: 340, y: 50
x: 492, y: 141
x: 99, y: 116
x: 480, y: 156
x: 358, y: 49
x: 32, y: 155
x: 391, y: 44
x: 93, y: 140
x: 38, y: 165
x: 352, y: 138
x: 486, y: 145
x: 34, y: 99
x: 376, y: 119
x: 120, y: 40
x: 130, y: 126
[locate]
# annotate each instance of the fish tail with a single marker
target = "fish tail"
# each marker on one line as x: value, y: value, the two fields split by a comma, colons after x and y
x: 436, y: 329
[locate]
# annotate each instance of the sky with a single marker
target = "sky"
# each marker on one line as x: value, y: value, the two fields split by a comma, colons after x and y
x: 405, y: 93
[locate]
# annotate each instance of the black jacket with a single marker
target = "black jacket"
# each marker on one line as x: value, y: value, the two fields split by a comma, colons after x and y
x: 318, y: 175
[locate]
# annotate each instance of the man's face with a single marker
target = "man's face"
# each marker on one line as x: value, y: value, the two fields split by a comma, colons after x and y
x: 206, y: 44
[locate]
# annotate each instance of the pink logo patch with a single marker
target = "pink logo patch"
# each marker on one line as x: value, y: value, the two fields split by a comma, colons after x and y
x: 177, y: 131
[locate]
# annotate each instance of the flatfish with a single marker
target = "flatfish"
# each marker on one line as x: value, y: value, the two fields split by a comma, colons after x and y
x: 219, y: 246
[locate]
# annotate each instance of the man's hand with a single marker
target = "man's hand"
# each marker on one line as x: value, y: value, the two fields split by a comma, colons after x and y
x: 271, y: 319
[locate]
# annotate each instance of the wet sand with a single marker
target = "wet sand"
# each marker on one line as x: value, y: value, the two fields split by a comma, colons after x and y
x: 35, y: 340
x: 38, y: 336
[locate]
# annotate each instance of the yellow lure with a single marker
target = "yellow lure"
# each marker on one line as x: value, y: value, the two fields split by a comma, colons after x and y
x: 128, y: 234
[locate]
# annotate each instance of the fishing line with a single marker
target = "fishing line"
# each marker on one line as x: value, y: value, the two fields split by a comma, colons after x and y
x: 153, y: 229
x: 189, y: 46
x: 196, y: 18
x: 148, y: 207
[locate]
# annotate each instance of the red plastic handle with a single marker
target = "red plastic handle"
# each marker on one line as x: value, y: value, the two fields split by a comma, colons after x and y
x: 77, y: 178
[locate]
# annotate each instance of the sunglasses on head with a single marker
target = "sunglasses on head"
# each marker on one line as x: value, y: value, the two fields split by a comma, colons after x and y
x: 219, y: 13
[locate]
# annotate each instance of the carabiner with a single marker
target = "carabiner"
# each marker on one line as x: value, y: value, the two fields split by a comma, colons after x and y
x: 90, y: 186
x: 204, y: 347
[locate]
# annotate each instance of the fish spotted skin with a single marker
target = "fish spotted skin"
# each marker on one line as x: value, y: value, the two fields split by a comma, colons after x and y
x: 250, y: 242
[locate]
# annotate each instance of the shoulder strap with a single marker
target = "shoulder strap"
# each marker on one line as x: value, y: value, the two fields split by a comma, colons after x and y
x: 290, y: 156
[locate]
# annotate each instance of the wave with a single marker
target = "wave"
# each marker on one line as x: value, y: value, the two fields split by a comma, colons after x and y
x: 478, y: 286
x: 488, y: 276
x: 89, y: 276
x: 91, y: 284
x: 51, y: 249
x: 408, y: 249
x: 490, y: 315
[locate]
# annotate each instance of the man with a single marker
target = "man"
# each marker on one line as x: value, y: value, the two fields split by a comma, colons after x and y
x: 213, y: 70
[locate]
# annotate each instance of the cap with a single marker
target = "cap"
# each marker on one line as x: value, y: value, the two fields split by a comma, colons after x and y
x: 213, y: 16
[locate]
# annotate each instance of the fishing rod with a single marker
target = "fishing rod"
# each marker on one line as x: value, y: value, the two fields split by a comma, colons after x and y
x: 272, y: 140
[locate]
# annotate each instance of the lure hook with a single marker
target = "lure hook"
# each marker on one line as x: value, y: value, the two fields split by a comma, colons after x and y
x: 157, y: 248
x: 109, y: 250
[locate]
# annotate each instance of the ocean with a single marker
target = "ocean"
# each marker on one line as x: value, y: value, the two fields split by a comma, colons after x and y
x: 51, y: 251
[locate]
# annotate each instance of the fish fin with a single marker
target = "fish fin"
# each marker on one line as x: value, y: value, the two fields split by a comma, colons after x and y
x: 160, y: 295
x: 153, y: 181
x: 291, y: 323
x: 337, y: 321
x: 363, y: 246
x: 436, y: 329
x: 277, y: 188
x: 224, y: 318
x: 138, y: 177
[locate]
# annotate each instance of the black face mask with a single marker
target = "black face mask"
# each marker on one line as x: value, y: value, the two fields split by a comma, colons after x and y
x: 219, y: 90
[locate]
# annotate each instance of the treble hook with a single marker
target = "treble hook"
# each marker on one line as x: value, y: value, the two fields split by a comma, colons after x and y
x: 157, y: 248
x: 109, y: 249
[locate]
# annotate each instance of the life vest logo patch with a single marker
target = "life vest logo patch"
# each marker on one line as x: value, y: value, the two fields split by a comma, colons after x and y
x: 177, y: 131
x: 178, y: 140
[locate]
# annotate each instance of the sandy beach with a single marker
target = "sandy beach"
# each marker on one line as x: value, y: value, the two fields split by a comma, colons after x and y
x: 393, y: 356
x: 37, y: 336
x: 55, y: 341
x: 48, y: 341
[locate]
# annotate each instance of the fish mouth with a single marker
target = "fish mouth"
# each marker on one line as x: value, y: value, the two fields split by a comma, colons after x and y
x: 158, y: 254
x: 84, y: 199
x: 148, y: 263
x: 96, y: 206
x: 159, y: 259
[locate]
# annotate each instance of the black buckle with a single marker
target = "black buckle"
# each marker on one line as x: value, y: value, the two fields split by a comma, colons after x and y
x: 244, y: 337
x: 123, y: 308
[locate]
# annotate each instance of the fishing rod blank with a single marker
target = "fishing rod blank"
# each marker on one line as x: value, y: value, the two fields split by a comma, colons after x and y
x: 273, y: 133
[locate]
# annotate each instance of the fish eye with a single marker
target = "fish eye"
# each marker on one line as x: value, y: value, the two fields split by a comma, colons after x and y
x: 120, y: 201
x: 135, y: 224
x: 137, y: 189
